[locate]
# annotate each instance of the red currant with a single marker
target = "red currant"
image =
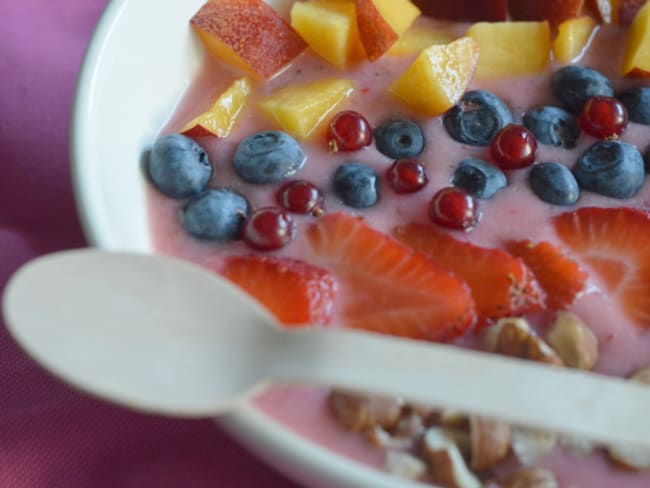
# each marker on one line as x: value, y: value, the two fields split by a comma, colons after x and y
x: 407, y: 175
x: 603, y: 117
x: 268, y: 229
x: 301, y: 197
x: 455, y: 209
x: 513, y: 147
x: 348, y: 131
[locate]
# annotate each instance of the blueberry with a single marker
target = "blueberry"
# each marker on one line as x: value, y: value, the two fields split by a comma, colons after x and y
x: 399, y: 139
x: 268, y: 157
x: 553, y: 126
x: 610, y: 168
x: 178, y: 166
x: 216, y: 215
x: 357, y: 185
x: 574, y: 85
x: 477, y: 118
x: 554, y: 183
x: 478, y: 177
x: 637, y: 103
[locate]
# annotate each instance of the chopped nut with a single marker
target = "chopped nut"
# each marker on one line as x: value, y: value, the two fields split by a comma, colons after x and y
x: 362, y: 412
x: 574, y: 341
x: 531, y: 445
x: 642, y: 375
x: 403, y: 435
x: 453, y: 418
x: 379, y: 437
x: 405, y: 465
x: 446, y: 463
x: 578, y: 447
x: 514, y: 337
x: 532, y: 478
x: 490, y: 441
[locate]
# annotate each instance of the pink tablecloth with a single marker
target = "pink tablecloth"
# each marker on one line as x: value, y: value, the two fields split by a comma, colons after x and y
x: 51, y: 436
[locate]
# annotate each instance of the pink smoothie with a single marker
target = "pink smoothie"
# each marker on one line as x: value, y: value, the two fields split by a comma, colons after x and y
x: 514, y: 213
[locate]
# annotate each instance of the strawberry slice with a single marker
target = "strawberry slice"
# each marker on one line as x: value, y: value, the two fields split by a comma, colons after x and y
x: 615, y: 244
x: 559, y: 276
x: 295, y: 292
x: 501, y: 284
x: 388, y: 287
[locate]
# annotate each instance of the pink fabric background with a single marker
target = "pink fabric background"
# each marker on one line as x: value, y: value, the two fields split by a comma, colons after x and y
x: 51, y: 436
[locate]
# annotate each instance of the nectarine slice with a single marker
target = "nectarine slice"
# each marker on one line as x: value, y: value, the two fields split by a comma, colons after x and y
x: 572, y: 38
x: 555, y: 11
x: 464, y: 10
x: 636, y: 61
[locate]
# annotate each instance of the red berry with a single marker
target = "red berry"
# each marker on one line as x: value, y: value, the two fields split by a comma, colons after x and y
x: 513, y: 147
x: 301, y: 197
x: 603, y: 117
x: 455, y: 209
x: 407, y: 175
x: 268, y: 229
x: 348, y: 131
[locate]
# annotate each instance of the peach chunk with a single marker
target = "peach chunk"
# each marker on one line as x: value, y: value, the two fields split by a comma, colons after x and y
x: 299, y: 109
x: 382, y: 22
x: 438, y: 77
x: 555, y: 11
x: 248, y: 34
x: 511, y: 48
x: 220, y: 119
x: 464, y: 10
x: 572, y: 38
x: 416, y: 39
x: 628, y: 10
x: 330, y: 29
x: 636, y: 61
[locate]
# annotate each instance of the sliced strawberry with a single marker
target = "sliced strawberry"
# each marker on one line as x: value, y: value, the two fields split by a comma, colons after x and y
x: 615, y: 244
x: 559, y: 276
x: 388, y: 287
x: 295, y: 292
x: 501, y: 284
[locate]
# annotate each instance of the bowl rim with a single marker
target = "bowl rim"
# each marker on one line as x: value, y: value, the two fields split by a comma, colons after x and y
x: 301, y: 459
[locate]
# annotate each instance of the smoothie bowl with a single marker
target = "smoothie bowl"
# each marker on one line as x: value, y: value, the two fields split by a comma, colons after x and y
x: 360, y: 164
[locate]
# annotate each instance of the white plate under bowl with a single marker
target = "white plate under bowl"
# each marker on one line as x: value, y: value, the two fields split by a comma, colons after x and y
x: 141, y: 59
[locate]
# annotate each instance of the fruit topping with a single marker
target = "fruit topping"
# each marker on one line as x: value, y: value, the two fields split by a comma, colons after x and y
x: 502, y: 285
x: 301, y: 197
x: 348, y: 131
x: 555, y: 11
x: 637, y: 103
x: 222, y: 116
x: 454, y: 208
x: 407, y: 176
x: 178, y: 166
x: 390, y: 288
x: 514, y: 147
x: 356, y: 185
x: 603, y: 117
x: 628, y: 10
x: 574, y: 85
x: 572, y: 38
x: 559, y: 276
x: 553, y: 126
x: 554, y: 183
x: 613, y: 242
x: 215, y: 215
x: 477, y: 118
x: 399, y: 139
x: 513, y: 337
x: 479, y: 178
x: 636, y: 60
x: 511, y: 48
x: 438, y: 77
x: 464, y: 10
x: 417, y: 39
x: 297, y: 293
x: 576, y: 344
x: 300, y: 109
x: 604, y: 11
x: 269, y: 229
x: 248, y: 34
x: 268, y: 157
x: 611, y: 168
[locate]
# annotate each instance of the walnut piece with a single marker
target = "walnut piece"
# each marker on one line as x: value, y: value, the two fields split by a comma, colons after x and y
x: 514, y: 337
x: 363, y: 412
x: 574, y: 341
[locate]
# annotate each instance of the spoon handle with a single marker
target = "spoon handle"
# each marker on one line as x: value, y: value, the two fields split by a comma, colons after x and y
x: 603, y: 409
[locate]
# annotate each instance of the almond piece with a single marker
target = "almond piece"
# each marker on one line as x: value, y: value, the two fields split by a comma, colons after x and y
x: 363, y: 412
x: 532, y: 478
x: 490, y: 442
x: 514, y: 337
x: 575, y: 343
x: 404, y: 465
x: 446, y: 463
x: 531, y: 445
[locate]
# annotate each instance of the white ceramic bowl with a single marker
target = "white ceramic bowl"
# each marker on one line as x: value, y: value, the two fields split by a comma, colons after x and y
x: 142, y: 57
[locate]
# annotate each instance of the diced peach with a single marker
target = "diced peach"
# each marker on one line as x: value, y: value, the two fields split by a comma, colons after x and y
x: 572, y: 38
x: 438, y: 77
x: 300, y: 109
x: 628, y: 10
x: 511, y: 48
x: 222, y: 116
x: 636, y: 61
x: 248, y: 34
x: 606, y: 11
x: 416, y: 39
x: 330, y: 29
x: 555, y: 11
x: 464, y: 10
x: 382, y: 22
